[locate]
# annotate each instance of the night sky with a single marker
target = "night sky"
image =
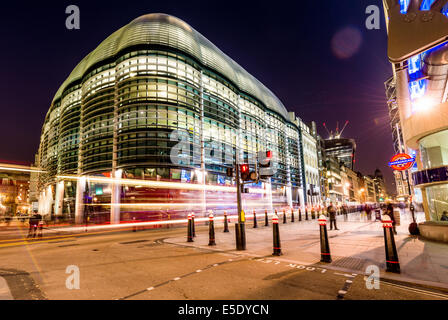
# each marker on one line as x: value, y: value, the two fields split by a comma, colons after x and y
x: 316, y: 56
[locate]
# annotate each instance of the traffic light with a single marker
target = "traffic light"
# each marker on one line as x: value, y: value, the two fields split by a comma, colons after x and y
x: 244, y: 172
x: 229, y: 172
x: 266, y: 164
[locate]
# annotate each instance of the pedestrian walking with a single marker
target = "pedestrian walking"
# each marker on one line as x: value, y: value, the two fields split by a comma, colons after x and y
x: 33, y: 224
x: 332, y: 213
x: 345, y: 212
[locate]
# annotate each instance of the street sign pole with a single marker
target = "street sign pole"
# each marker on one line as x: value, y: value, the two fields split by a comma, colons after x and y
x: 240, y: 232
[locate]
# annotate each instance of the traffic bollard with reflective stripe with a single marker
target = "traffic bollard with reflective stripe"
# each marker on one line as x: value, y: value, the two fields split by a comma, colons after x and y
x: 226, y: 222
x: 255, y: 220
x: 276, y: 237
x: 300, y: 214
x: 266, y: 220
x: 190, y: 229
x: 211, y: 231
x: 306, y: 213
x: 392, y: 263
x: 134, y: 229
x: 325, y: 255
x: 193, y: 230
x: 284, y: 216
x: 292, y: 215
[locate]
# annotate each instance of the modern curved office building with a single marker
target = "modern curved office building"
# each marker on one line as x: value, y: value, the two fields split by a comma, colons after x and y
x: 117, y: 110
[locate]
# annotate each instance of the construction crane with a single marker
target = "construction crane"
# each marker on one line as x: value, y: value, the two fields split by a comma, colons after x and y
x: 337, y: 134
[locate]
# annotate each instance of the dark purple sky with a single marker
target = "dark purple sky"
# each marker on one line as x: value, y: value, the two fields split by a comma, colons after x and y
x: 290, y: 47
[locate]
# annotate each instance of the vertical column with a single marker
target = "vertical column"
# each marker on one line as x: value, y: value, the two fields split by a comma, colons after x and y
x: 116, y: 174
x: 59, y: 198
x: 203, y: 171
x: 79, y: 204
x: 288, y: 173
x: 115, y: 197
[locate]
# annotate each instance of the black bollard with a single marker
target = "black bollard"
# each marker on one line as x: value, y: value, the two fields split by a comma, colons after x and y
x: 190, y: 229
x: 226, y: 223
x: 134, y: 229
x: 300, y: 214
x: 276, y: 237
x: 284, y: 216
x: 392, y: 264
x: 255, y: 220
x: 193, y: 230
x: 292, y: 215
x: 325, y: 255
x: 313, y: 213
x: 211, y: 231
x: 306, y: 213
x: 266, y: 220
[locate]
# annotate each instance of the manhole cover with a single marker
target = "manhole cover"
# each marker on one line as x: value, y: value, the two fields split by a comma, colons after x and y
x: 350, y: 263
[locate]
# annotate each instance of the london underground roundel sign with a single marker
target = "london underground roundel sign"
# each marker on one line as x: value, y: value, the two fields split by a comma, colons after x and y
x: 401, y: 161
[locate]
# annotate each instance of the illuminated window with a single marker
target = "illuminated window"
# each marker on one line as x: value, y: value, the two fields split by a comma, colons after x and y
x: 426, y: 5
x: 404, y: 5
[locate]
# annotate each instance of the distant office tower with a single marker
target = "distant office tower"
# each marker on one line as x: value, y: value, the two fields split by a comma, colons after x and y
x: 342, y: 149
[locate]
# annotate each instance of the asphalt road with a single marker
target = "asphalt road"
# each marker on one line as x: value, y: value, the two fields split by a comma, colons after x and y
x: 140, y: 265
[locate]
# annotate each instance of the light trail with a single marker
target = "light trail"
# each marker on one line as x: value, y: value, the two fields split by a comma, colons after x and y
x: 157, y: 184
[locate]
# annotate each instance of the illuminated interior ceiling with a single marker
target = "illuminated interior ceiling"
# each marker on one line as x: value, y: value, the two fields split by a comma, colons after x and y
x: 161, y: 29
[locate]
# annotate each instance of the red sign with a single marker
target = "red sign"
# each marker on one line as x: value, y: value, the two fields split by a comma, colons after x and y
x: 401, y: 161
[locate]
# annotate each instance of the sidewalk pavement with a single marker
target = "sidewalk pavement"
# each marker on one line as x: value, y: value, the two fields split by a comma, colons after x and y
x: 357, y: 244
x: 5, y: 293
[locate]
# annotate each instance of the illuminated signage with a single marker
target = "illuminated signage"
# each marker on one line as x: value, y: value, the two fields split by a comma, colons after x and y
x: 401, y: 161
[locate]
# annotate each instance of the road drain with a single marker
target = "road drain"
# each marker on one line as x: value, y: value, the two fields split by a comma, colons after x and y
x: 68, y: 245
x: 350, y: 263
x: 135, y: 241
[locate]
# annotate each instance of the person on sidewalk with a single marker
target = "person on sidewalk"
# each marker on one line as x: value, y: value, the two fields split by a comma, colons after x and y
x: 345, y: 212
x: 332, y: 212
x: 444, y: 216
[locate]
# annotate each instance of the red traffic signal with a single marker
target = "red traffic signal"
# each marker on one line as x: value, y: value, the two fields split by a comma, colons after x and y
x: 269, y: 154
x: 244, y: 168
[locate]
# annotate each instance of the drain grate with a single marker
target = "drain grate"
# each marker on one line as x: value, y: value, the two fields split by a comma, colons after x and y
x: 135, y: 241
x: 68, y: 245
x: 350, y: 263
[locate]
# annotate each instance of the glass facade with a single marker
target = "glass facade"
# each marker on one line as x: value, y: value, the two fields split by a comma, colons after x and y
x: 155, y: 76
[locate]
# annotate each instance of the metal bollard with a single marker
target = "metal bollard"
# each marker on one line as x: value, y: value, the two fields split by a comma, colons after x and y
x: 325, y: 255
x: 277, y: 251
x: 193, y: 230
x: 284, y: 216
x: 292, y: 215
x: 134, y: 229
x: 226, y: 222
x: 392, y: 263
x: 266, y: 220
x: 306, y: 213
x: 255, y: 220
x: 300, y: 214
x: 211, y: 230
x: 313, y: 213
x: 190, y: 229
